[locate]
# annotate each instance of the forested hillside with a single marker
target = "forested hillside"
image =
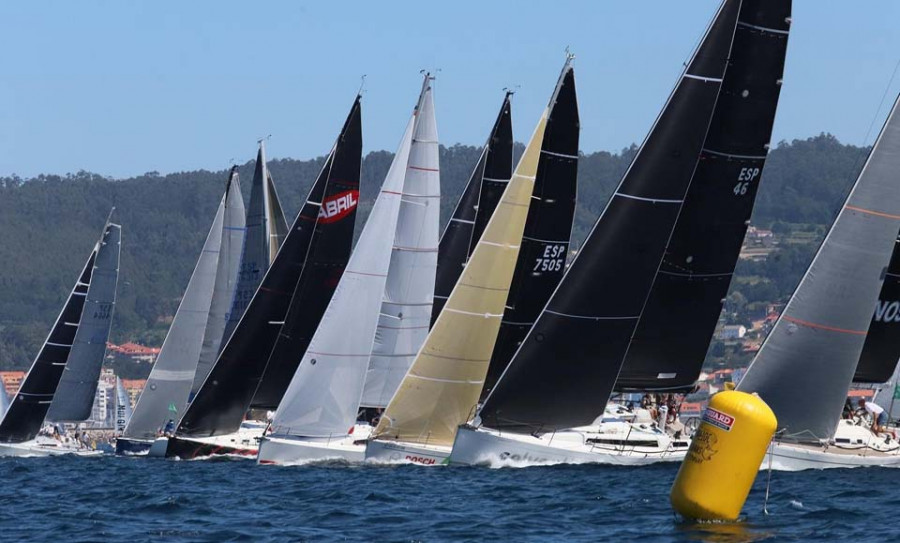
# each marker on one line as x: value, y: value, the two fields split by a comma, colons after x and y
x: 50, y: 223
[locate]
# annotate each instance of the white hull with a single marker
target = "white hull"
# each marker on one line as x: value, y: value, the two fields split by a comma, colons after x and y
x: 854, y: 447
x: 398, y: 452
x: 44, y: 447
x: 483, y: 446
x: 287, y: 450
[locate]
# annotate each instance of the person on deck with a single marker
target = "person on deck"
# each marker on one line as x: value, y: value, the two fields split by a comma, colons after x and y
x: 879, y: 416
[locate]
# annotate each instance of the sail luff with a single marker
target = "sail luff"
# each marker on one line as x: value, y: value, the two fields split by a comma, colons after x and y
x: 409, y: 289
x: 442, y: 386
x: 227, y: 275
x: 165, y: 394
x: 77, y: 387
x: 475, y: 206
x: 323, y: 396
x: 700, y: 258
x: 562, y: 373
x: 806, y: 364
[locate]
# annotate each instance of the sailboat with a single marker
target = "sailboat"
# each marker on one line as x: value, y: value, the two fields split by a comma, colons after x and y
x: 806, y: 364
x: 286, y: 308
x: 441, y: 388
x: 77, y: 340
x: 663, y: 250
x: 380, y: 303
x: 475, y: 206
x: 195, y: 335
x: 123, y: 407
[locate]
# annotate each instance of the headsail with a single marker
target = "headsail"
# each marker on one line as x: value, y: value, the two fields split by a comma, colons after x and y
x: 78, y: 385
x: 562, y: 374
x: 123, y: 407
x: 806, y: 364
x: 166, y: 392
x: 441, y: 389
x: 475, y: 206
x: 881, y: 349
x: 684, y: 304
x: 227, y: 275
x: 26, y: 413
x: 225, y: 397
x: 265, y: 221
x: 409, y: 291
x: 545, y: 243
x: 323, y: 396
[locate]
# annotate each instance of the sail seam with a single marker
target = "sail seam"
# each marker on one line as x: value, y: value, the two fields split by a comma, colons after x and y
x: 473, y: 314
x: 652, y: 200
x: 589, y: 317
x: 560, y: 155
x: 704, y: 79
x: 730, y: 155
x: 763, y: 28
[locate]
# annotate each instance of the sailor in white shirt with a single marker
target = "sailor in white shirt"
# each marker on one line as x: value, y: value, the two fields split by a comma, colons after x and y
x: 879, y: 415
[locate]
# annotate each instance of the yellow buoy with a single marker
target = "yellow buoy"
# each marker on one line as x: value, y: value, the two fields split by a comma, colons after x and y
x: 726, y: 452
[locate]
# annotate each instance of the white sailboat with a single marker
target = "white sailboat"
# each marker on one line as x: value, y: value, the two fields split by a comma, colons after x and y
x: 806, y: 365
x: 364, y: 338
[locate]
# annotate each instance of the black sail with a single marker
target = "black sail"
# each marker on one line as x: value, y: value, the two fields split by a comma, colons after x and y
x: 562, y: 374
x: 29, y: 407
x: 881, y: 349
x: 475, y: 206
x: 545, y: 242
x: 225, y: 397
x: 680, y: 316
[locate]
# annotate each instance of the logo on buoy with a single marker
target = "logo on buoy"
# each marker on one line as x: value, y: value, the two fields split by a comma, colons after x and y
x: 338, y: 207
x: 718, y: 419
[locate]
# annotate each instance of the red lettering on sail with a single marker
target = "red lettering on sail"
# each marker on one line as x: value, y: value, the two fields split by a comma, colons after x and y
x: 338, y: 206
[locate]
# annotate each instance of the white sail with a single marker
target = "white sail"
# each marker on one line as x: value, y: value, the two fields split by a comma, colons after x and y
x: 4, y: 400
x: 323, y: 397
x: 123, y: 407
x: 166, y: 392
x: 409, y: 292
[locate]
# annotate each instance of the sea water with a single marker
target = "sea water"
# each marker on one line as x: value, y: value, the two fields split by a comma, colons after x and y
x: 129, y: 499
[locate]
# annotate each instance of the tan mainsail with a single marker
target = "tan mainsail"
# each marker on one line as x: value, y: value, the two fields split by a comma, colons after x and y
x: 441, y: 389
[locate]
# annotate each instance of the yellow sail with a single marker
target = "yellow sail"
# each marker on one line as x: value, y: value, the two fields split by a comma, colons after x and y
x: 442, y: 387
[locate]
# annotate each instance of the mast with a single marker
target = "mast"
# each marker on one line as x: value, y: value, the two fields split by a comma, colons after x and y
x: 26, y: 413
x: 806, y: 364
x: 441, y: 388
x: 881, y: 349
x: 323, y: 396
x: 475, y: 206
x: 409, y: 290
x: 78, y: 385
x: 226, y: 394
x: 165, y: 395
x: 545, y: 243
x: 228, y: 270
x: 564, y: 371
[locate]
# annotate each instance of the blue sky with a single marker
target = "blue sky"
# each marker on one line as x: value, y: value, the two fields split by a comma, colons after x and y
x: 121, y: 88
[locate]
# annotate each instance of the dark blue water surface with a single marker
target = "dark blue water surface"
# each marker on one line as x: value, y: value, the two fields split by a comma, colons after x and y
x: 128, y: 499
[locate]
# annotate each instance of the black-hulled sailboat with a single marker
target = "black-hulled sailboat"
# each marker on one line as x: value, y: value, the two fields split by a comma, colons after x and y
x: 303, y: 276
x: 78, y: 340
x: 663, y: 249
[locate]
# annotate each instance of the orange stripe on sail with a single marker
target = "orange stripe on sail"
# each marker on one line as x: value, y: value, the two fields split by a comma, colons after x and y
x: 823, y: 327
x: 870, y: 212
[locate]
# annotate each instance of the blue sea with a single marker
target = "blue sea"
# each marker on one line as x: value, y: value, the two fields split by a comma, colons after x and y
x: 128, y: 499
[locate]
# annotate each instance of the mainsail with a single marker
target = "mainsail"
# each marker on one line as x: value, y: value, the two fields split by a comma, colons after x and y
x: 264, y: 226
x: 225, y: 397
x: 229, y: 252
x: 78, y: 385
x: 475, y: 206
x: 323, y: 396
x: 441, y: 389
x: 545, y: 243
x: 562, y: 374
x: 165, y: 395
x: 325, y: 262
x: 804, y: 368
x: 881, y: 349
x: 123, y: 407
x: 409, y: 290
x: 684, y: 304
x: 26, y: 413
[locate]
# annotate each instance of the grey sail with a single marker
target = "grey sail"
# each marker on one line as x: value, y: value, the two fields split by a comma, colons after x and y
x: 75, y: 394
x: 166, y: 392
x: 806, y: 365
x: 265, y: 228
x: 4, y: 400
x: 228, y: 257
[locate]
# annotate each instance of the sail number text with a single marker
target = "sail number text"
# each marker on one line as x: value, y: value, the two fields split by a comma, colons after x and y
x: 745, y: 177
x: 552, y: 259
